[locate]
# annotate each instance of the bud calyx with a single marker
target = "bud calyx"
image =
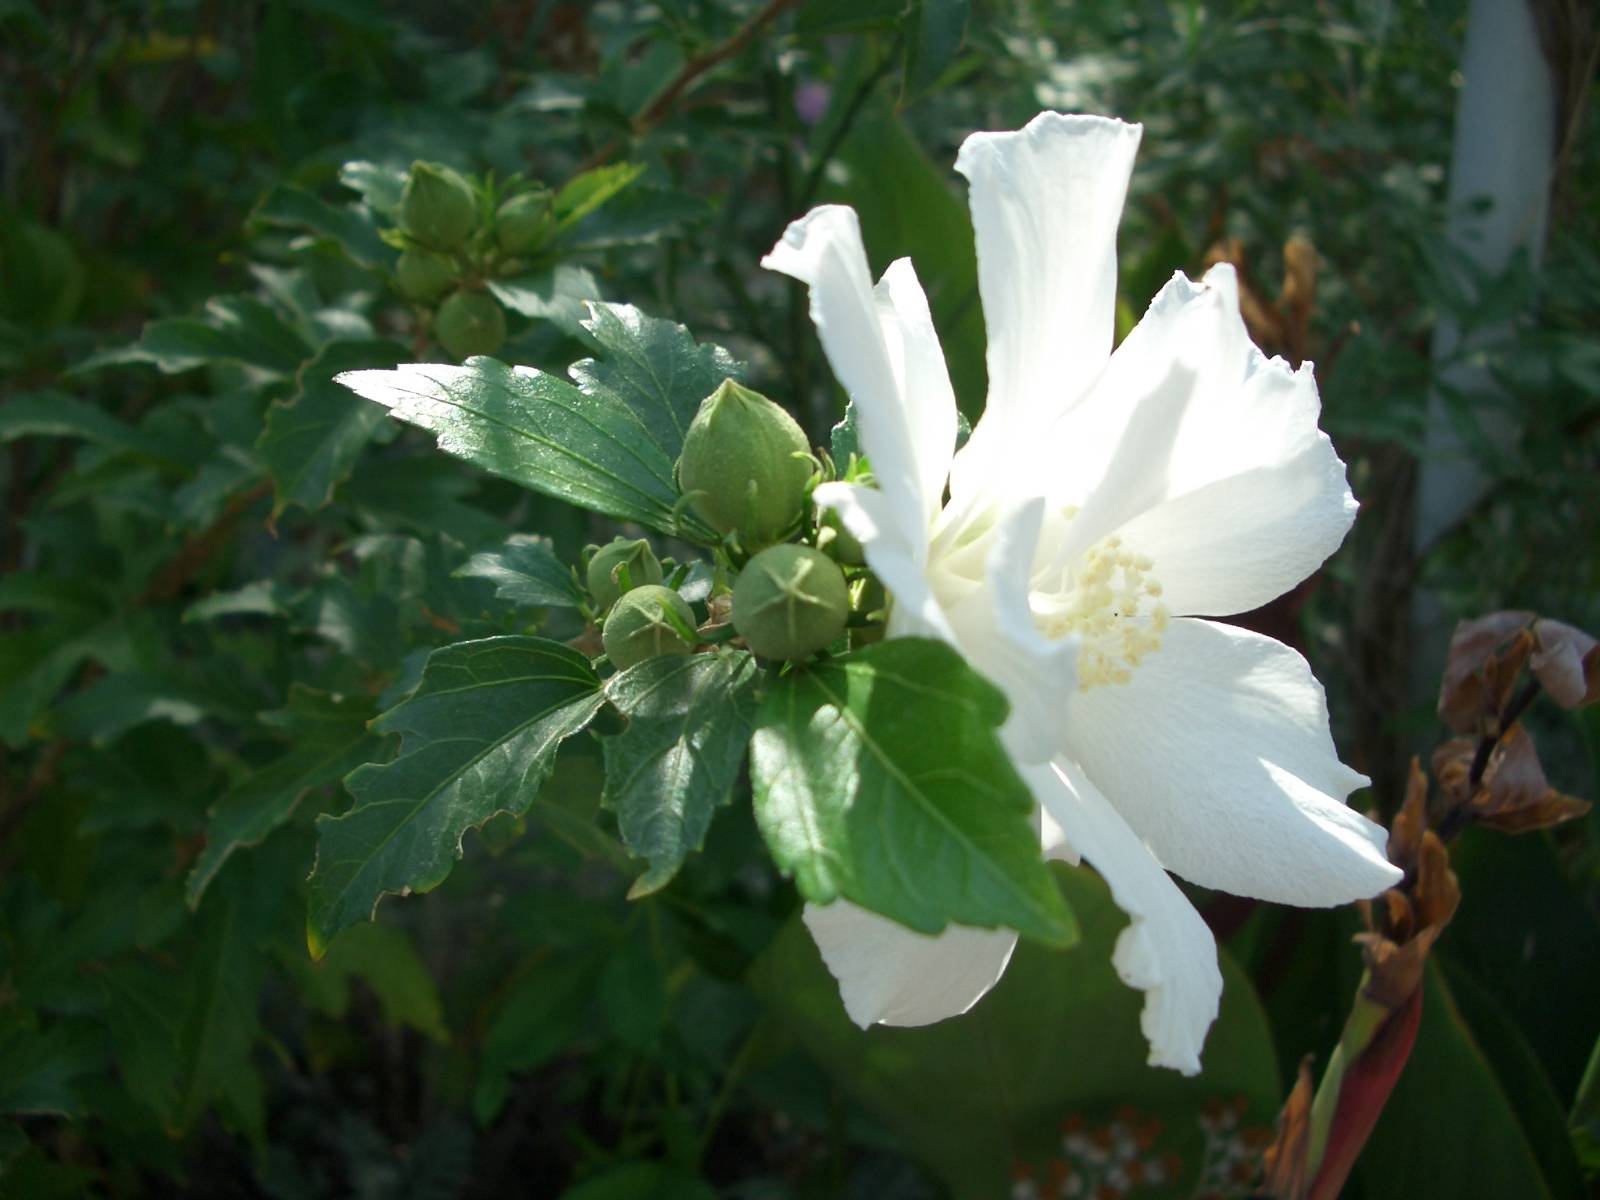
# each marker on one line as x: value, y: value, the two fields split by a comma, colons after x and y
x: 438, y: 206
x: 789, y: 602
x: 620, y: 566
x: 745, y: 465
x: 470, y: 323
x: 645, y: 623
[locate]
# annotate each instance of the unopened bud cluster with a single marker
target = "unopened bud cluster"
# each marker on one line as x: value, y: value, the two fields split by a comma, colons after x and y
x: 746, y: 471
x: 452, y: 244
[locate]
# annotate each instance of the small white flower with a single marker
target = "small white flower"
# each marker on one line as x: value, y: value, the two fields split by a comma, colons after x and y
x: 1105, y: 504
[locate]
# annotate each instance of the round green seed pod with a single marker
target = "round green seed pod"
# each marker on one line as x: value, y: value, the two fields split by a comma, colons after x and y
x: 522, y: 222
x: 424, y: 275
x: 470, y: 323
x: 605, y: 569
x: 438, y: 207
x: 789, y: 602
x: 638, y: 627
x: 745, y: 465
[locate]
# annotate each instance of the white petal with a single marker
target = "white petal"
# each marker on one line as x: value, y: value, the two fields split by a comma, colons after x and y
x: 892, y: 975
x: 1166, y: 951
x: 883, y: 349
x: 1203, y: 455
x: 895, y: 555
x: 1046, y: 201
x: 927, y: 401
x: 1217, y: 752
x: 995, y: 630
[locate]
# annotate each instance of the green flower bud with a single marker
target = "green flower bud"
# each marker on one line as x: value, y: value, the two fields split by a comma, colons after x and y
x: 425, y: 275
x: 470, y: 323
x: 638, y: 627
x: 744, y: 465
x: 438, y: 206
x: 522, y: 222
x: 789, y: 602
x: 838, y: 542
x: 605, y: 569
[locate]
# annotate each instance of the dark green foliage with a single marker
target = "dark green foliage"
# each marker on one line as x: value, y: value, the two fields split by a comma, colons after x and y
x: 266, y: 656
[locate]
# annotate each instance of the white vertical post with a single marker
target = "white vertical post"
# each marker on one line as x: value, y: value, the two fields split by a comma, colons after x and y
x: 1503, y: 153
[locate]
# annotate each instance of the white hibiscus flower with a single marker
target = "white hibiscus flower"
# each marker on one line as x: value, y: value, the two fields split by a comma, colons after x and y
x: 1105, y: 505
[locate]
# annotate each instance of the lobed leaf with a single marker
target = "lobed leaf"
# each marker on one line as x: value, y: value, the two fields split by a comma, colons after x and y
x: 654, y: 367
x: 609, y: 444
x: 311, y: 441
x: 689, y: 719
x: 480, y: 734
x: 356, y: 235
x: 880, y: 778
x: 330, y: 739
x: 526, y: 571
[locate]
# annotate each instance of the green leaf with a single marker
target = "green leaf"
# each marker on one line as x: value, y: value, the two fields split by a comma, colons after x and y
x: 385, y: 960
x: 1534, y: 1101
x: 880, y: 777
x: 312, y: 440
x: 116, y: 703
x: 630, y: 1181
x: 379, y: 186
x: 329, y: 740
x: 39, y: 1071
x: 185, y: 1030
x: 556, y: 294
x: 1473, y: 1146
x: 845, y: 440
x: 237, y: 329
x: 524, y: 425
x: 356, y: 235
x: 539, y: 1013
x: 584, y: 193
x: 1535, y: 956
x: 688, y: 723
x: 1584, y: 1121
x: 654, y: 367
x: 937, y: 27
x: 56, y: 414
x: 526, y: 571
x: 985, y: 1095
x: 847, y: 16
x: 480, y: 735
x: 642, y: 214
x: 35, y: 664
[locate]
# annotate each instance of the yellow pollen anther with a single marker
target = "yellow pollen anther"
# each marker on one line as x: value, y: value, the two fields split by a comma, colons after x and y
x: 1113, y: 607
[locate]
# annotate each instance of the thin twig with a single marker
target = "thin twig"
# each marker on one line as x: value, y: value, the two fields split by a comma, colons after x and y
x: 701, y: 63
x: 697, y: 66
x: 180, y: 568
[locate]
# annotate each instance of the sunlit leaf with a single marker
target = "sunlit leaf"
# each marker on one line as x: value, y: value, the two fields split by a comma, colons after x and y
x: 880, y: 778
x: 480, y: 735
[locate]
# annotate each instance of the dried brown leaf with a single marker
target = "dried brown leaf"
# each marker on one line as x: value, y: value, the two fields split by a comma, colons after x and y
x: 1405, y: 834
x: 1452, y: 767
x: 1436, y: 892
x: 1286, y: 1157
x: 1394, y: 971
x: 1567, y: 663
x: 1264, y: 322
x: 1298, y: 299
x: 1513, y: 795
x: 1472, y: 689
